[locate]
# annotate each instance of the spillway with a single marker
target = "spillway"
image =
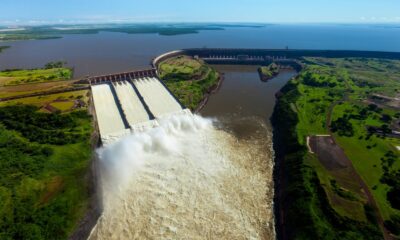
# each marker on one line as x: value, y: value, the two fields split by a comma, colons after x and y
x: 108, y: 116
x: 133, y: 108
x: 126, y: 106
x: 177, y: 175
x: 157, y: 97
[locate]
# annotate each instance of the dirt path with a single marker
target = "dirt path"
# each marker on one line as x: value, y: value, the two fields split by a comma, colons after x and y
x: 357, y: 177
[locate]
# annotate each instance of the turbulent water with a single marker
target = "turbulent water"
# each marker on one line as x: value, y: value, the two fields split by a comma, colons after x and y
x: 187, y: 179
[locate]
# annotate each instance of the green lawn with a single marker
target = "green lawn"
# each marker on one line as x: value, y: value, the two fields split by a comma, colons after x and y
x: 182, y: 68
x: 367, y: 160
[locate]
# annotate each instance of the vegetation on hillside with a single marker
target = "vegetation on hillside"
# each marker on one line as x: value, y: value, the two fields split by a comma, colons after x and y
x: 43, y: 160
x: 53, y: 71
x: 190, y: 80
x: 268, y: 72
x: 318, y: 203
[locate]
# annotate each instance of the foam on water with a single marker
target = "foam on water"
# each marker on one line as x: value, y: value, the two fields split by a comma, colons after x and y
x: 186, y: 179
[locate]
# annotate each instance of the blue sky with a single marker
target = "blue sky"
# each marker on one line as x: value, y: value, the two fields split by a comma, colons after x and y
x: 268, y: 11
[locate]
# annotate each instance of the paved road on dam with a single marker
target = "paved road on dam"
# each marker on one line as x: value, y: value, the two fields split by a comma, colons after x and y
x: 129, y: 105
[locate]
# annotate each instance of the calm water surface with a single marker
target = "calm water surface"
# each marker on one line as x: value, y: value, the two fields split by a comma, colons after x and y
x: 244, y: 102
x: 113, y: 52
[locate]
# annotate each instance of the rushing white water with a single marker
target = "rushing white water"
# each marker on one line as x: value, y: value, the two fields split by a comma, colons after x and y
x: 186, y: 179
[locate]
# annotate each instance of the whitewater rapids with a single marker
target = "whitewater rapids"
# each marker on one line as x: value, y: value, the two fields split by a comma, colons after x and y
x: 187, y: 179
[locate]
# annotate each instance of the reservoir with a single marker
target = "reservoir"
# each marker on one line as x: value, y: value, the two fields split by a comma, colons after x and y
x: 104, y: 53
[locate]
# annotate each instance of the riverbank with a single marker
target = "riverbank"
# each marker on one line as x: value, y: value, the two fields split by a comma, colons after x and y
x: 95, y: 206
x: 212, y: 90
x: 314, y: 198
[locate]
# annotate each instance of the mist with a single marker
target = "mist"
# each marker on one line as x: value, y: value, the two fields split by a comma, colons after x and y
x: 186, y: 179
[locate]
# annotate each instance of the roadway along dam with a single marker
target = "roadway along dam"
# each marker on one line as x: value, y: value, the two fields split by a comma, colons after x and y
x: 166, y: 173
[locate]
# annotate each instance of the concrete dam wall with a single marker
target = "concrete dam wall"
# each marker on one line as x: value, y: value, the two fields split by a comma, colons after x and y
x: 124, y: 106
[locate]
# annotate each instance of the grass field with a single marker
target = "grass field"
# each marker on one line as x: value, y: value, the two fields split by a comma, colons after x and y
x: 342, y: 87
x: 17, y: 77
x: 182, y: 67
x: 188, y: 79
x: 10, y: 91
x: 366, y: 154
x: 61, y: 101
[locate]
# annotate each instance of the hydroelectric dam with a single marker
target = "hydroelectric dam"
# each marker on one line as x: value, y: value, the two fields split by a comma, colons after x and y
x: 129, y: 102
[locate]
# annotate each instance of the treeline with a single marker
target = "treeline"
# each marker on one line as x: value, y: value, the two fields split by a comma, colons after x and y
x: 307, y: 213
x: 316, y: 80
x: 391, y: 177
x: 49, y: 65
x: 57, y: 64
x: 40, y: 127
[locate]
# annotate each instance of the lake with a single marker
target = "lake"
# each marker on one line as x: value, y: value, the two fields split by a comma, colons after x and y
x: 107, y: 52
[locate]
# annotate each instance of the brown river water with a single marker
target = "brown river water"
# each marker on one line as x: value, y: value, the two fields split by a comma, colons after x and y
x: 207, y: 177
x: 204, y: 178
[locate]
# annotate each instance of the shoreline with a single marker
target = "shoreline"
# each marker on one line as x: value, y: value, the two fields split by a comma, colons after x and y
x: 279, y: 177
x: 266, y: 78
x: 93, y: 212
x: 214, y: 89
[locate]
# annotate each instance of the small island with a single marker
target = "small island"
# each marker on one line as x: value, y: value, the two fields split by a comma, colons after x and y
x: 268, y: 72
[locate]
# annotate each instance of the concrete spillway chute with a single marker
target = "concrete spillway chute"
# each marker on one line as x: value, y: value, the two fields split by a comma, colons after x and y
x: 124, y: 106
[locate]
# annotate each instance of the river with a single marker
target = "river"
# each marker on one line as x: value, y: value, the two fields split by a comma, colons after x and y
x: 202, y: 178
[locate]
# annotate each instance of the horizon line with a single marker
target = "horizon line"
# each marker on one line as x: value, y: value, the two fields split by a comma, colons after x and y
x: 13, y: 24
